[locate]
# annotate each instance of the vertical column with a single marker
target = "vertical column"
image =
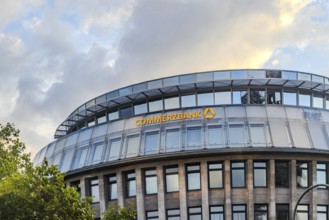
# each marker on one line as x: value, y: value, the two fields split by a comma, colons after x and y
x: 182, y: 191
x: 293, y: 186
x: 161, y: 193
x: 250, y: 189
x: 204, y: 190
x: 272, y: 212
x: 227, y: 186
x: 83, y: 188
x: 120, y: 189
x: 313, y: 181
x: 139, y: 194
x: 102, y: 193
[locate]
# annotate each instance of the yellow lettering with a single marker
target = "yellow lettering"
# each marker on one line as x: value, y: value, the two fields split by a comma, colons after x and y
x: 169, y: 117
x: 185, y: 115
x: 197, y: 115
x: 179, y: 116
x: 164, y: 118
x: 137, y: 122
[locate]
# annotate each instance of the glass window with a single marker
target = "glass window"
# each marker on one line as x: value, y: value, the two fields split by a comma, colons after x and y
x: 239, y: 212
x: 152, y: 215
x: 282, y: 211
x: 273, y: 74
x: 237, y: 174
x: 114, y: 148
x: 152, y: 142
x: 77, y: 186
x: 97, y: 152
x: 322, y: 212
x: 172, y: 179
x: 171, y: 103
x: 319, y: 79
x: 280, y: 134
x: 156, y: 105
x: 140, y: 108
x: 239, y: 74
x: 260, y: 174
x: 216, y: 212
x: 195, y: 213
x: 216, y: 136
x: 112, y: 187
x: 191, y: 78
x: 172, y: 140
x: 113, y: 115
x: 304, y: 76
x: 302, y: 212
x: 240, y: 97
x: 317, y: 100
x: 215, y: 175
x: 289, y: 75
x: 67, y: 160
x: 101, y: 119
x: 223, y: 98
x: 205, y: 99
x: 80, y: 157
x: 194, y: 137
x: 281, y: 174
x: 260, y: 212
x: 258, y: 134
x: 125, y: 91
x: 94, y: 190
x: 151, y: 185
x: 318, y: 136
x: 201, y: 77
x: 172, y: 81
x: 304, y: 99
x: 154, y: 84
x: 132, y: 145
x: 289, y: 98
x: 193, y: 177
x: 321, y: 173
x: 140, y: 87
x: 274, y: 96
x: 257, y: 96
x: 299, y: 135
x: 130, y: 184
x: 260, y: 74
x: 126, y: 112
x: 173, y: 214
x: 237, y: 135
x: 222, y: 75
x: 188, y: 101
x: 302, y: 174
x: 327, y: 102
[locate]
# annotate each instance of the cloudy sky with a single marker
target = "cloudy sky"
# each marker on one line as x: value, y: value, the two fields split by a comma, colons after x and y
x: 57, y: 54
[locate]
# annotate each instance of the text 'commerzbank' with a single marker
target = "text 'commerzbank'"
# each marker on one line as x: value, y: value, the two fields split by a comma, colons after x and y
x: 207, y: 113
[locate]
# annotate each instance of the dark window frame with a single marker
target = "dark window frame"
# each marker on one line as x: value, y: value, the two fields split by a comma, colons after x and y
x: 169, y: 174
x: 260, y: 210
x: 216, y: 169
x: 238, y: 168
x: 148, y: 176
x: 110, y: 183
x: 191, y: 172
x: 260, y: 168
x: 127, y: 183
x: 287, y: 172
x: 217, y: 212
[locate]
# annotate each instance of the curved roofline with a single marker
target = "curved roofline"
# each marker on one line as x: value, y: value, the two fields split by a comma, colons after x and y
x: 133, y: 91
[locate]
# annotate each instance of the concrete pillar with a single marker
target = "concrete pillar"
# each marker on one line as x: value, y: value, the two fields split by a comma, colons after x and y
x: 227, y: 187
x: 250, y: 189
x: 313, y: 181
x: 102, y: 193
x: 120, y: 183
x: 293, y: 187
x: 83, y: 189
x: 204, y: 190
x: 182, y: 191
x: 139, y: 195
x: 161, y: 193
x: 271, y: 184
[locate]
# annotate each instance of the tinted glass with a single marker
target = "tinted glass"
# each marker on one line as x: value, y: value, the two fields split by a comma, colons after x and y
x: 240, y: 97
x: 282, y: 211
x: 172, y: 103
x: 216, y: 136
x: 304, y: 100
x: 193, y: 137
x: 223, y: 98
x: 151, y: 142
x: 132, y: 145
x: 290, y: 98
x: 205, y: 99
x: 114, y: 149
x: 151, y: 184
x: 188, y: 101
x: 257, y: 97
x: 140, y: 108
x: 155, y: 106
x: 172, y: 182
x: 172, y: 140
x: 281, y: 174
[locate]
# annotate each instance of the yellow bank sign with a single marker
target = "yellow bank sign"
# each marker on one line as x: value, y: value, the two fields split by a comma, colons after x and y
x: 208, y: 113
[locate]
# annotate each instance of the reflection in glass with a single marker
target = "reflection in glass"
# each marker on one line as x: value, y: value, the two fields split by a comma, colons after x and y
x: 140, y: 108
x: 98, y: 152
x: 302, y: 174
x: 172, y: 179
x: 322, y: 212
x: 260, y: 176
x: 240, y: 97
x: 239, y: 74
x: 115, y: 146
x: 173, y: 214
x: 321, y: 173
x: 126, y: 112
x: 113, y: 115
x: 205, y: 99
x: 281, y: 174
x: 67, y: 160
x: 237, y: 135
x: 195, y: 213
x: 193, y: 177
x: 80, y: 157
x: 188, y: 101
x: 258, y: 135
x: 289, y: 75
x: 216, y: 136
x: 151, y: 142
x: 172, y: 140
x: 274, y: 97
x: 94, y: 190
x: 216, y: 213
x: 171, y: 103
x: 215, y: 175
x: 131, y: 184
x: 223, y: 98
x: 304, y: 99
x: 151, y: 185
x: 239, y: 212
x: 302, y: 212
x: 290, y: 98
x: 193, y: 137
x: 282, y: 211
x: 317, y: 101
x: 257, y: 97
x: 260, y: 212
x: 112, y: 187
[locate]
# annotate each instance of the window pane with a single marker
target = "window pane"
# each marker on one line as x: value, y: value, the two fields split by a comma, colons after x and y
x: 98, y: 152
x: 188, y: 101
x: 237, y: 174
x: 238, y: 74
x: 223, y: 98
x: 155, y: 105
x: 281, y: 174
x: 240, y: 97
x: 282, y: 211
x: 115, y: 146
x: 237, y: 135
x: 318, y: 136
x: 151, y: 142
x: 172, y: 140
x: 132, y: 146
x: 215, y: 179
x: 131, y: 184
x: 290, y: 98
x: 261, y: 212
x: 289, y: 75
x: 171, y: 103
x: 318, y: 101
x: 257, y: 97
x: 299, y: 135
x: 260, y: 174
x: 80, y: 157
x: 274, y: 97
x: 216, y: 136
x: 193, y: 137
x: 172, y: 183
x: 258, y: 135
x: 193, y: 181
x: 94, y: 190
x: 205, y: 99
x: 67, y: 160
x: 140, y: 108
x: 151, y: 184
x: 304, y: 100
x: 302, y: 174
x: 113, y: 115
x: 126, y: 112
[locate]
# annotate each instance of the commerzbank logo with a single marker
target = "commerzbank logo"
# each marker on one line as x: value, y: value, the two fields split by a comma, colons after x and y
x: 207, y: 113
